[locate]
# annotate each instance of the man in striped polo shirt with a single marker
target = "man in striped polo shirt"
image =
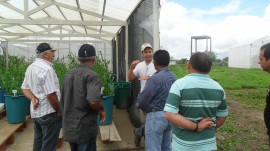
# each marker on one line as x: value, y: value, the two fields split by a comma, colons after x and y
x: 196, y: 106
x: 41, y: 86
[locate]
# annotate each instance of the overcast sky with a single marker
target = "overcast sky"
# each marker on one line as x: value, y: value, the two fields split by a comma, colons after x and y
x: 230, y: 23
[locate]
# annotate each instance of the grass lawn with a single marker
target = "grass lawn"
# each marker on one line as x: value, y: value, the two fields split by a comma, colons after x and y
x: 245, y: 90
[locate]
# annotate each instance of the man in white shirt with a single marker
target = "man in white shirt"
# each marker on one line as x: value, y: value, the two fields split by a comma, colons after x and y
x: 142, y: 70
x: 41, y: 86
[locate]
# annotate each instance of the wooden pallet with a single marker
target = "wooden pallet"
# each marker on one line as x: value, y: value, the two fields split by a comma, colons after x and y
x: 109, y: 133
x: 2, y: 114
x: 7, y: 133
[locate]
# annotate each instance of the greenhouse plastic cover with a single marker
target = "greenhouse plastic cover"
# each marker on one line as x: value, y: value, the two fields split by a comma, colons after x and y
x: 91, y: 20
x: 246, y: 56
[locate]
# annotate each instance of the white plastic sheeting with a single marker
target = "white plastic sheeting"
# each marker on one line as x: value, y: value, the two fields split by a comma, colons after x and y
x: 246, y: 56
x: 28, y: 50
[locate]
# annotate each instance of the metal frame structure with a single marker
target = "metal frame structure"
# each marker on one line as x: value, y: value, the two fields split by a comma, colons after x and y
x: 72, y: 21
x: 201, y: 38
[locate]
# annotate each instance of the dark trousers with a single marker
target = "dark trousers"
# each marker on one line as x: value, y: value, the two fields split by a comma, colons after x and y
x: 87, y: 146
x: 47, y: 130
x: 140, y: 130
x: 267, y: 117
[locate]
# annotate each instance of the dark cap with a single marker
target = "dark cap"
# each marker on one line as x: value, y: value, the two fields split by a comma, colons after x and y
x: 44, y: 47
x: 87, y: 50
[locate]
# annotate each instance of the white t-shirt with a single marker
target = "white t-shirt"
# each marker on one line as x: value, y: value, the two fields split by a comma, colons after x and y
x: 142, y: 70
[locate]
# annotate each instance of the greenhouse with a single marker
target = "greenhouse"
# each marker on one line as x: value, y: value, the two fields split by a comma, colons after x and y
x: 246, y: 56
x: 116, y: 28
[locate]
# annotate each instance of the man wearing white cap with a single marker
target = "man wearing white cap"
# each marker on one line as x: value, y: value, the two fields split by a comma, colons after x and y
x: 142, y: 70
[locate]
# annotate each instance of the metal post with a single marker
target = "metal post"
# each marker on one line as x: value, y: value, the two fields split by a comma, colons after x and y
x: 126, y: 47
x: 156, y: 43
x: 206, y: 44
x: 7, y: 55
x: 191, y: 46
x: 117, y: 63
x: 210, y: 44
x: 195, y: 45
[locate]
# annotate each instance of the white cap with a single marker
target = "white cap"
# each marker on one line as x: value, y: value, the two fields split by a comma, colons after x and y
x: 145, y: 45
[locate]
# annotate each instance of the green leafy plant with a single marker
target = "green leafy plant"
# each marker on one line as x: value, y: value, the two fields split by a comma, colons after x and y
x: 105, y: 75
x: 2, y: 69
x: 72, y: 61
x: 60, y: 69
x: 12, y: 77
x: 63, y: 65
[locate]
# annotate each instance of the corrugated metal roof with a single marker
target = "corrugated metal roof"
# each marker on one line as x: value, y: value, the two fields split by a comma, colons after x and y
x: 68, y: 19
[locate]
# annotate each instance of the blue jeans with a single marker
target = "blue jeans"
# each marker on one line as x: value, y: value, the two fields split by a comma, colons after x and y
x: 87, y: 146
x: 158, y: 132
x: 47, y: 130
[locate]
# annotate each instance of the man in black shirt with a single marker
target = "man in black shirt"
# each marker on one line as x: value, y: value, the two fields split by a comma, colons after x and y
x: 264, y: 61
x: 81, y: 99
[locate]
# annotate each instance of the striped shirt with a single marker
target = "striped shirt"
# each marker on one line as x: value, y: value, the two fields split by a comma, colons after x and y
x: 196, y: 96
x: 80, y: 87
x: 42, y: 80
x: 156, y: 90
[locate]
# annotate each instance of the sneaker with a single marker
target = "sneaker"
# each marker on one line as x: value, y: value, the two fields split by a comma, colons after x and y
x: 137, y: 139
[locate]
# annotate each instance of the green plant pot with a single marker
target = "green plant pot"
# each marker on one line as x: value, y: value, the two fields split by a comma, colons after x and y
x: 122, y: 94
x: 15, y: 108
x: 107, y: 102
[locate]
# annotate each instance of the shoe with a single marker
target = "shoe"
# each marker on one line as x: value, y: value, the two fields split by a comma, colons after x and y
x: 137, y: 139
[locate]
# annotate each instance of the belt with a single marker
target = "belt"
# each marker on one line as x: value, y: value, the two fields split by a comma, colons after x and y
x: 152, y: 110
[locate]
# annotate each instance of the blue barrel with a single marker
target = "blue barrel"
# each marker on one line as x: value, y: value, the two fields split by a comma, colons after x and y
x: 2, y: 97
x: 107, y: 102
x: 15, y: 108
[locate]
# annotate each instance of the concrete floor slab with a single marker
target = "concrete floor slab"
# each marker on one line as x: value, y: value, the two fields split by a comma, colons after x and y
x: 24, y: 139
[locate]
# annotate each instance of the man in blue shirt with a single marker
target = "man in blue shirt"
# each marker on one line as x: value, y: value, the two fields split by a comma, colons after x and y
x: 152, y: 101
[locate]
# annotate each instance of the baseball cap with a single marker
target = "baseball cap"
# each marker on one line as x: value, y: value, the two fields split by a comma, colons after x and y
x: 44, y: 47
x: 145, y: 45
x: 87, y: 50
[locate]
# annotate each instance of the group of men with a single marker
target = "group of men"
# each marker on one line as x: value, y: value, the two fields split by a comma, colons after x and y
x: 179, y: 114
x: 80, y: 101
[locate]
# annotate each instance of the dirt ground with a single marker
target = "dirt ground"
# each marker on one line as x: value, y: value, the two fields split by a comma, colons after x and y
x: 248, y: 130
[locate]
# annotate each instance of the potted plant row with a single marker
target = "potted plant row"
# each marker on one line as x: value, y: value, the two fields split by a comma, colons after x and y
x: 107, y: 79
x: 64, y: 64
x: 11, y: 80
